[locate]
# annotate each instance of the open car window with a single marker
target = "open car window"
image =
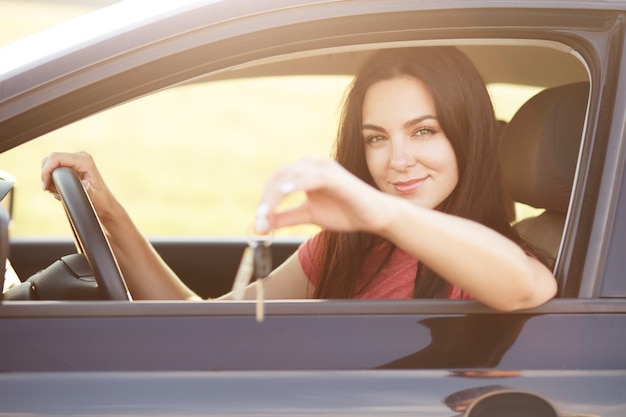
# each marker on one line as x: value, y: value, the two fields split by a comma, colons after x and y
x: 190, y: 161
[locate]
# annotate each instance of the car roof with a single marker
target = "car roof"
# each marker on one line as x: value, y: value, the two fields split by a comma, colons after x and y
x: 124, y: 17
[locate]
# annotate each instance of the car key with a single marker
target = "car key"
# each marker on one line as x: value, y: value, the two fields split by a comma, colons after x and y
x: 262, y: 259
x: 262, y: 268
x: 256, y: 261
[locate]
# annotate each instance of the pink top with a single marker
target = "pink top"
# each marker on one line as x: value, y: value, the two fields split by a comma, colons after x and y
x: 396, y: 280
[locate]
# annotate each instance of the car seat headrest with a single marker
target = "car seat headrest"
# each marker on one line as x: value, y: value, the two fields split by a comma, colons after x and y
x: 539, y: 147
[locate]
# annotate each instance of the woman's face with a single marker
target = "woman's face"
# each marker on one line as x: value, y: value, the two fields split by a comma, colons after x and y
x: 407, y: 152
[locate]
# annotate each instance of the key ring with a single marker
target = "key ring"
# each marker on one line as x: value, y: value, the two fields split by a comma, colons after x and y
x: 253, y: 239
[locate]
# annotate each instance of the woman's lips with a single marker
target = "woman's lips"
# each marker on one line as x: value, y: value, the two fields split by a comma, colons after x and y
x: 408, y: 187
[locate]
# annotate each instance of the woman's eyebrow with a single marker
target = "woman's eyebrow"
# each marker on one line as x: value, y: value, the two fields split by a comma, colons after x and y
x: 410, y: 123
x: 419, y: 120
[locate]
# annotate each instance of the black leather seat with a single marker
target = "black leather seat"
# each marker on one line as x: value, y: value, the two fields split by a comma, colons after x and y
x: 539, y: 152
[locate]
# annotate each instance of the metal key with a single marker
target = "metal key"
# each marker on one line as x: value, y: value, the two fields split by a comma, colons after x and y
x: 256, y: 261
x: 262, y: 268
x: 262, y: 260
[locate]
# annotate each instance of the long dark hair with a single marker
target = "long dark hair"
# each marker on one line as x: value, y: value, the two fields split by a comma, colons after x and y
x: 466, y: 115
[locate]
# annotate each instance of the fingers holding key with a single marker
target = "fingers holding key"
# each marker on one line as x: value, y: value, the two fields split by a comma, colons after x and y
x: 334, y: 198
x: 306, y: 176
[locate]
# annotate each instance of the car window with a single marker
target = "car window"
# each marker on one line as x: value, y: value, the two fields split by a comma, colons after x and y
x: 192, y: 159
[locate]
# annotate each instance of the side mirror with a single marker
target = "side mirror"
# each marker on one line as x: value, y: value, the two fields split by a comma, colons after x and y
x: 4, y: 245
x: 6, y: 189
x: 6, y: 192
x: 511, y: 404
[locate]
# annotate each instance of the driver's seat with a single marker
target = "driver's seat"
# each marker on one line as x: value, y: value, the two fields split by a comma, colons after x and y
x: 539, y: 152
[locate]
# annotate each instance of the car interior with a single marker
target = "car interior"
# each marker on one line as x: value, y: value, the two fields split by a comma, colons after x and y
x: 539, y: 152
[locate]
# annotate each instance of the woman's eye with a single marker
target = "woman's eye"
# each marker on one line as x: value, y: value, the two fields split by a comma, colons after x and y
x: 424, y: 132
x: 374, y: 139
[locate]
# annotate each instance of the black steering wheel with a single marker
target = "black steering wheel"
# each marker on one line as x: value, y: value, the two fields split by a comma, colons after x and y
x: 88, y: 233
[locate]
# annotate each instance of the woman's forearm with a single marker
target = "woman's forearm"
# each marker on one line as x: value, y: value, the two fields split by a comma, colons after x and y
x: 487, y: 265
x: 146, y: 274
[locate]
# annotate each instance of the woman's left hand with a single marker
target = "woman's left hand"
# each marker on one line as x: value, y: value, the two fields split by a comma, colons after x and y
x: 335, y: 199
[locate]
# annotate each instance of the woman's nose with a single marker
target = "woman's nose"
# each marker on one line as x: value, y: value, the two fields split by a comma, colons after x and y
x: 401, y: 157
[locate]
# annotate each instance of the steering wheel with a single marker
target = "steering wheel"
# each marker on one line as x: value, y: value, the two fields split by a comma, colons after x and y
x: 88, y: 233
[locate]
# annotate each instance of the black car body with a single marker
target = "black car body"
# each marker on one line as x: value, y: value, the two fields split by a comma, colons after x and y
x: 325, y: 357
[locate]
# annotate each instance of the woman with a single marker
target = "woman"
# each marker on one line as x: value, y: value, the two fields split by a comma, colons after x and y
x: 415, y: 178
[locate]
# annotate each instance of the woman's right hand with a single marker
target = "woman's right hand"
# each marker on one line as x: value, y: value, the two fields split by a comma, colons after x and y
x: 335, y: 199
x: 83, y: 164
